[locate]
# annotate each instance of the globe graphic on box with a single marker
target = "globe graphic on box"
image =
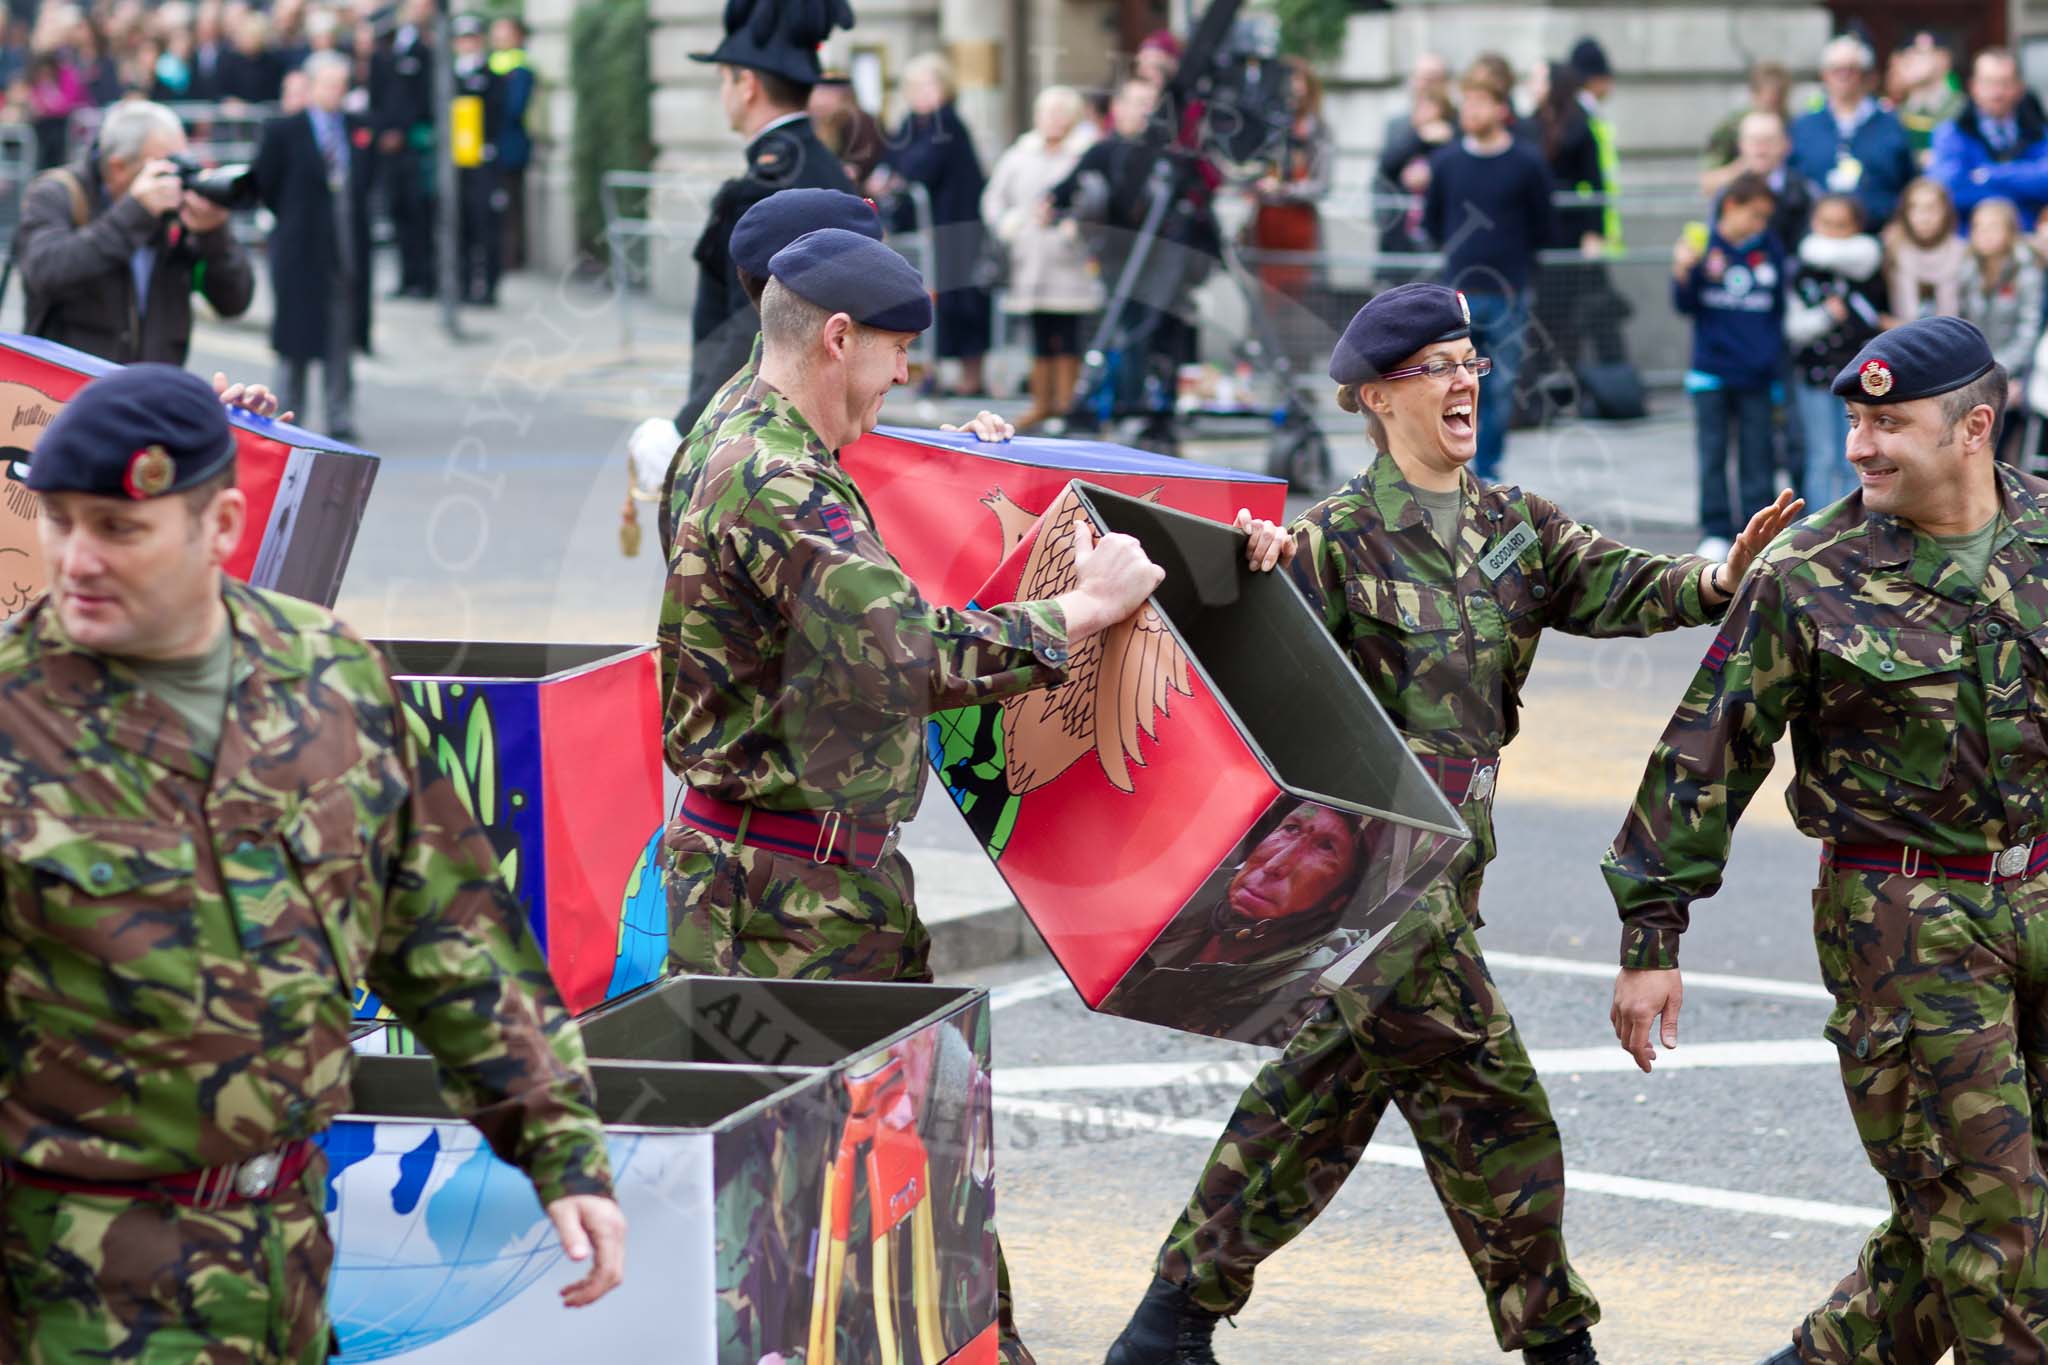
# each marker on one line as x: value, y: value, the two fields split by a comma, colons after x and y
x: 431, y: 1233
x: 643, y: 924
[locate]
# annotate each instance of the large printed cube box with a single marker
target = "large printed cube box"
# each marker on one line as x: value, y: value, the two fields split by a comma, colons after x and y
x: 807, y: 1172
x: 951, y: 507
x: 1212, y: 817
x: 556, y: 750
x: 306, y: 492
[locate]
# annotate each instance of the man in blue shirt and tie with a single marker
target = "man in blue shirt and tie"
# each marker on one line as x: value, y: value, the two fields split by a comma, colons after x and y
x: 313, y: 171
x: 1998, y: 147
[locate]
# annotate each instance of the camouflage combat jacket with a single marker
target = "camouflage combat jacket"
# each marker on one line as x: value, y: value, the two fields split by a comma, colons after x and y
x: 181, y: 942
x: 807, y: 660
x: 1446, y: 648
x: 678, y: 484
x: 1914, y: 697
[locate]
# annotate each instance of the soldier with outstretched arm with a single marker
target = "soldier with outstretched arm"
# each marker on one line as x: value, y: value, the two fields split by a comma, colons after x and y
x: 806, y: 661
x: 1898, y: 636
x: 1439, y: 586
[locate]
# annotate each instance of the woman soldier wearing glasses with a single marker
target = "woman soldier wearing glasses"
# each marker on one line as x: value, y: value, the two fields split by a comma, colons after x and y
x: 1439, y: 586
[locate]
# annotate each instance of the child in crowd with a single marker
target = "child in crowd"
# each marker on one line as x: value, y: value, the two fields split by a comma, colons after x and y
x: 1839, y: 301
x: 2001, y: 293
x: 1924, y: 256
x: 1733, y: 288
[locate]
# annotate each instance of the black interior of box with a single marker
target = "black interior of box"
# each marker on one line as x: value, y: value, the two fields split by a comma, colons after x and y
x: 515, y: 660
x: 643, y: 1096
x: 1296, y: 695
x: 734, y: 1022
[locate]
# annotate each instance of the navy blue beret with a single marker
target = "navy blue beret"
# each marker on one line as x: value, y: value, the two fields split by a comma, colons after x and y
x: 786, y: 215
x: 140, y: 432
x: 844, y: 272
x: 1917, y: 360
x: 1395, y: 325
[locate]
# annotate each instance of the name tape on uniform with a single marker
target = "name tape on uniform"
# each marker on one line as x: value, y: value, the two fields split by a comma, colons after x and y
x: 1502, y: 556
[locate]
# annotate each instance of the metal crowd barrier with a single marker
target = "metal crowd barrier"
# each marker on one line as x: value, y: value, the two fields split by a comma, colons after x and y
x: 646, y: 210
x: 216, y: 134
x: 1606, y: 309
x: 642, y: 209
x: 17, y: 168
x: 920, y: 247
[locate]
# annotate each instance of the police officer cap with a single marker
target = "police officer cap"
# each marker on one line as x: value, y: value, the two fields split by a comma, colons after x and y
x: 786, y: 215
x: 1917, y: 360
x: 781, y: 37
x: 844, y: 272
x: 140, y: 432
x: 1395, y: 325
x: 1589, y: 59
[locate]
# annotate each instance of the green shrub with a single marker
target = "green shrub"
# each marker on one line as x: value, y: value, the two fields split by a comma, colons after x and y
x: 1312, y: 28
x: 608, y: 42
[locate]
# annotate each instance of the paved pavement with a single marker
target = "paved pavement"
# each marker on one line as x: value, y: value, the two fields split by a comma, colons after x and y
x: 1711, y: 1202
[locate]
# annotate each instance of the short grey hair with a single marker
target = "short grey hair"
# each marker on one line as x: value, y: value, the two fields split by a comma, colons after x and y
x: 318, y: 62
x: 130, y: 124
x: 1847, y: 46
x: 788, y: 319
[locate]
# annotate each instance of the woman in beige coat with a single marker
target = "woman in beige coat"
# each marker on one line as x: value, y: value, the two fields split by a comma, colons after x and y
x: 1052, y: 280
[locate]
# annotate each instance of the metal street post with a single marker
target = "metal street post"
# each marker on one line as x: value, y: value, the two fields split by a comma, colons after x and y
x: 447, y: 222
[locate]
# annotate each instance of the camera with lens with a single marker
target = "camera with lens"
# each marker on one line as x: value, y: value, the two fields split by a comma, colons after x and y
x: 231, y: 187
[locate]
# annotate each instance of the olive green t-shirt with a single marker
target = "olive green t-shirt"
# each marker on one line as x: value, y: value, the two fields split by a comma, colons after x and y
x: 1440, y: 510
x: 196, y: 688
x: 1972, y: 552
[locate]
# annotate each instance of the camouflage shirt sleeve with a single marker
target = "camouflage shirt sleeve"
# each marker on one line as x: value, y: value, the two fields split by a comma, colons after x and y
x: 866, y: 631
x: 1711, y: 760
x: 458, y: 964
x: 1318, y: 572
x: 1605, y: 588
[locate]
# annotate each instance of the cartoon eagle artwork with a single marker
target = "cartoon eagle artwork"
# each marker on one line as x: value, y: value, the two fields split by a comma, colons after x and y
x: 1118, y: 683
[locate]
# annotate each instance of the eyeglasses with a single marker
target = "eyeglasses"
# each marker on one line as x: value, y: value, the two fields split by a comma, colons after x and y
x: 1477, y: 366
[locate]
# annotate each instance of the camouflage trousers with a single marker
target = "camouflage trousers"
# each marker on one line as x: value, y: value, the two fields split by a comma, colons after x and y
x: 1424, y: 1027
x: 1941, y: 990
x: 92, y: 1277
x: 735, y: 910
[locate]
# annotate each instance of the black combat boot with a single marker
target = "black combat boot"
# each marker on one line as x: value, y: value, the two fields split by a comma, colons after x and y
x: 1788, y: 1356
x: 1169, y: 1328
x: 1576, y: 1349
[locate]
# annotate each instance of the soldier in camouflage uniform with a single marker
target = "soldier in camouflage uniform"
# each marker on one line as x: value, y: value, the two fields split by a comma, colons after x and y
x: 1898, y: 635
x: 1440, y: 588
x: 213, y: 826
x: 806, y: 661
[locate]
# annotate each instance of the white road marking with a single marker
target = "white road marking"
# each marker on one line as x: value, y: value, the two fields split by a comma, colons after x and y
x: 1755, y: 985
x: 1049, y: 983
x: 1093, y: 1121
x: 1028, y: 989
x: 1238, y: 1071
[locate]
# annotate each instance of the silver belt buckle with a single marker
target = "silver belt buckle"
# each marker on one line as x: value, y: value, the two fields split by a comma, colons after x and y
x: 1482, y: 784
x: 2013, y: 861
x: 254, y: 1177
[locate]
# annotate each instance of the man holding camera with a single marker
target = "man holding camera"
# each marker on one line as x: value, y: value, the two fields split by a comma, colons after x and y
x: 112, y: 248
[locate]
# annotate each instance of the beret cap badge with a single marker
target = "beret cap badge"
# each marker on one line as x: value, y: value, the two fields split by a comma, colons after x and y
x: 1464, y: 306
x: 150, y: 473
x: 1876, y: 378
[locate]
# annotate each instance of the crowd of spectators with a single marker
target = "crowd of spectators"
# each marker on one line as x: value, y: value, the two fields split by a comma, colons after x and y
x: 60, y: 57
x: 1904, y: 192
